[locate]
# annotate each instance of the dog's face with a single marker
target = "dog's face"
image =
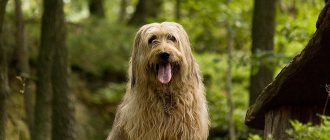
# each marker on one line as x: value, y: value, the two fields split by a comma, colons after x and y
x: 161, y: 52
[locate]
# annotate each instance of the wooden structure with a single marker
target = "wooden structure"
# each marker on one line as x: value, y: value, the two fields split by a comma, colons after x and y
x: 298, y: 92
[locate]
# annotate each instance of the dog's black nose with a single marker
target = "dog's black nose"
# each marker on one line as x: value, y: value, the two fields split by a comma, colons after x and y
x: 164, y: 55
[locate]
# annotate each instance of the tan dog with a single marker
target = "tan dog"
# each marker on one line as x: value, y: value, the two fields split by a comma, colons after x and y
x: 165, y: 95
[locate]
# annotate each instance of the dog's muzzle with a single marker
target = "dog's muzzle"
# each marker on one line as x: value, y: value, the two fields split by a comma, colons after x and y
x: 164, y: 56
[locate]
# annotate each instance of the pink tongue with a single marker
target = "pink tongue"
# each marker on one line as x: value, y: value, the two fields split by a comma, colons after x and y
x: 164, y: 73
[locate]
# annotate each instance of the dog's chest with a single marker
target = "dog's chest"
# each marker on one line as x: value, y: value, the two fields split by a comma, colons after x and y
x: 168, y: 114
x: 168, y: 99
x: 168, y: 103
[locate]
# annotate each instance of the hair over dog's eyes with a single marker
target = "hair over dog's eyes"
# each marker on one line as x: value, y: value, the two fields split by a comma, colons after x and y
x: 152, y: 39
x: 171, y: 37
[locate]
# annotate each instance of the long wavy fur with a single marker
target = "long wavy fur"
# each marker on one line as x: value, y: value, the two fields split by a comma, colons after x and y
x: 154, y: 111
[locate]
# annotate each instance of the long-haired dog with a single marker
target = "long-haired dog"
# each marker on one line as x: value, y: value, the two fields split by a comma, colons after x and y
x: 165, y: 95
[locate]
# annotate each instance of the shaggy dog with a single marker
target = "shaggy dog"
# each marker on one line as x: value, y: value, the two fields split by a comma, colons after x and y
x: 165, y: 95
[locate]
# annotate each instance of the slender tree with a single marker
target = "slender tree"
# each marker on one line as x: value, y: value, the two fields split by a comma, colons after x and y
x: 263, y: 28
x: 63, y: 117
x: 230, y: 104
x: 229, y: 83
x: 96, y: 8
x: 22, y: 61
x: 145, y: 9
x: 52, y: 78
x: 122, y: 12
x: 3, y: 75
x: 177, y: 9
x: 42, y: 126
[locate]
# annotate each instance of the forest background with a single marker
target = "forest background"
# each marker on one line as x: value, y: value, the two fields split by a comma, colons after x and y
x: 99, y: 37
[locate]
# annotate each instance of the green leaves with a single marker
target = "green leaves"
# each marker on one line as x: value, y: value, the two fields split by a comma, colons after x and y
x: 309, y: 132
x: 98, y: 46
x: 213, y: 67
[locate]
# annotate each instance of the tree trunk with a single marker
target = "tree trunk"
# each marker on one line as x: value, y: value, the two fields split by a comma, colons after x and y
x: 277, y: 120
x: 42, y: 126
x: 263, y: 28
x: 63, y: 108
x: 146, y: 9
x: 178, y: 10
x: 96, y: 8
x: 22, y: 65
x: 232, y: 135
x: 4, y: 89
x: 122, y: 12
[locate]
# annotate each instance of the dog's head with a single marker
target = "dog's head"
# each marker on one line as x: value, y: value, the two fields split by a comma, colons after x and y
x: 161, y: 52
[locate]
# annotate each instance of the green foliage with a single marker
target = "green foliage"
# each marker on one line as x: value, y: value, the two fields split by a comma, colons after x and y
x: 111, y: 94
x: 309, y: 132
x: 295, y: 24
x: 254, y: 137
x: 208, y: 32
x: 213, y: 67
x: 76, y: 10
x: 257, y: 137
x: 97, y: 46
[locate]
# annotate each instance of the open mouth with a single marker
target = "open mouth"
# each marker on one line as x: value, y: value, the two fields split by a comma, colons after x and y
x: 164, y: 71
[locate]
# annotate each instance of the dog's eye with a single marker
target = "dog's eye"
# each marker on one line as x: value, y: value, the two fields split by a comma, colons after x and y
x: 152, y: 39
x: 172, y: 38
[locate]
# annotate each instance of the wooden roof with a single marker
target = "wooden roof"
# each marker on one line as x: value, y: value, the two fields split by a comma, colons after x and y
x: 302, y: 82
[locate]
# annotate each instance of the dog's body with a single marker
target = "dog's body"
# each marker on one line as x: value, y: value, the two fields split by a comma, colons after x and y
x: 165, y: 95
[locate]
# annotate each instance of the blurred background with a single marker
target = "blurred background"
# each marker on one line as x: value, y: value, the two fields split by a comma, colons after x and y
x: 99, y: 38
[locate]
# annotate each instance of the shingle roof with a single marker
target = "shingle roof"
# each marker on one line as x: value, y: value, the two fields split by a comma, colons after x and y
x: 302, y: 82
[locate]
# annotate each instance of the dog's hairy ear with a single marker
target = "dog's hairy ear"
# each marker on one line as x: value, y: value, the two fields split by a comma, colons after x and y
x: 193, y: 66
x: 133, y: 61
x: 131, y: 74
